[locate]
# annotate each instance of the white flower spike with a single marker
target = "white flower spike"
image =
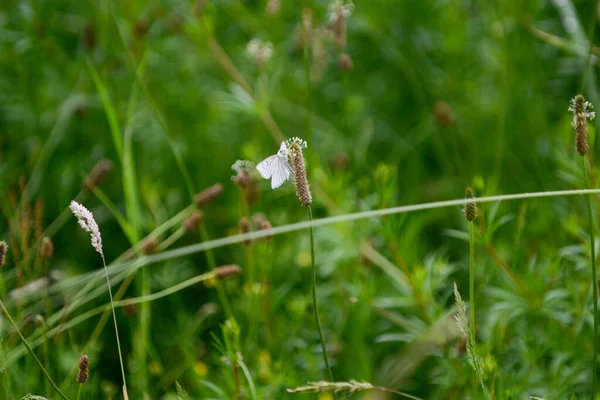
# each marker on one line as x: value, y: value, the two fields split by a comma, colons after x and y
x: 276, y: 167
x: 88, y: 223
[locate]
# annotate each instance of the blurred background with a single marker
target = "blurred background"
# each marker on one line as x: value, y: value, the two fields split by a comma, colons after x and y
x: 133, y: 108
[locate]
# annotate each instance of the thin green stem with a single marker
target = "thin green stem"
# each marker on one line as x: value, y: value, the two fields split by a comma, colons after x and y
x: 594, y: 279
x: 79, y: 391
x: 46, y: 356
x: 314, y: 295
x: 472, y: 296
x: 112, y: 306
x: 210, y: 257
x: 7, y: 388
x: 248, y: 378
x: 31, y: 351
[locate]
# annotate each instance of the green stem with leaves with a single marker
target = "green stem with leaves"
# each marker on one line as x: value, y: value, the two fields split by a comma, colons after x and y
x: 594, y: 279
x: 37, y: 360
x: 314, y: 295
x: 472, y: 296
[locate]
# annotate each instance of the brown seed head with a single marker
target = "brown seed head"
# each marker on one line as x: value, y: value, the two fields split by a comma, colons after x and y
x: 339, y: 161
x: 245, y: 227
x: 3, y: 249
x: 130, y: 310
x: 265, y: 226
x: 345, y: 62
x: 273, y: 7
x: 208, y: 194
x: 97, y: 175
x: 227, y: 270
x: 141, y: 27
x: 300, y: 179
x: 89, y: 36
x: 46, y: 248
x: 582, y: 111
x: 443, y: 113
x: 339, y: 10
x: 192, y: 222
x: 243, y: 179
x: 82, y: 375
x: 257, y: 218
x: 149, y: 246
x: 470, y: 209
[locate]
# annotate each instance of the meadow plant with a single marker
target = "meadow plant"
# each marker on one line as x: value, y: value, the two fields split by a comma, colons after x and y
x: 582, y: 111
x: 470, y: 212
x: 277, y: 167
x: 467, y: 333
x: 87, y: 222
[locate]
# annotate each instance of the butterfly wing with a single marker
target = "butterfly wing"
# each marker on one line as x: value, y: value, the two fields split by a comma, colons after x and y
x: 267, y: 166
x: 281, y: 172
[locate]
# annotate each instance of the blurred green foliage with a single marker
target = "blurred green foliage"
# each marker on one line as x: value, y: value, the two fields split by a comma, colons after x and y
x: 440, y: 95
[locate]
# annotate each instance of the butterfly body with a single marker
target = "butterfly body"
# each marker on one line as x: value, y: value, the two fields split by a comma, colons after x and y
x: 276, y: 167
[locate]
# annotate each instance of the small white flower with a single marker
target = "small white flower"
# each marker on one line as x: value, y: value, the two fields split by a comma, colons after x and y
x: 339, y: 8
x: 242, y: 165
x: 297, y: 142
x: 88, y: 223
x: 586, y: 113
x: 276, y: 167
x: 260, y: 51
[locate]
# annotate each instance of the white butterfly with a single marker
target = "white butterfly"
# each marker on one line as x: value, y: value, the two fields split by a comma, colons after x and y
x: 276, y: 167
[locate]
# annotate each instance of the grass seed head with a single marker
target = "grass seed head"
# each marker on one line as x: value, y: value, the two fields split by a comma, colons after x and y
x: 98, y: 174
x: 295, y: 147
x: 345, y: 62
x: 470, y: 209
x: 339, y: 11
x: 192, y: 222
x: 273, y: 7
x: 3, y: 250
x: 582, y: 111
x: 82, y: 375
x: 245, y: 227
x: 88, y: 223
x: 208, y: 195
x: 149, y: 246
x: 46, y: 248
x: 227, y: 270
x: 261, y: 52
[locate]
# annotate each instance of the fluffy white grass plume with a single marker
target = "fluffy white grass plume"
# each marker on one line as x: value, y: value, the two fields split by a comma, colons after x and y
x: 88, y: 223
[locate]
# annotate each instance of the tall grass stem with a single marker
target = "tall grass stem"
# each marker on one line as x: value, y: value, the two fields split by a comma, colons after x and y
x: 472, y: 296
x: 112, y: 306
x: 594, y: 278
x: 314, y: 295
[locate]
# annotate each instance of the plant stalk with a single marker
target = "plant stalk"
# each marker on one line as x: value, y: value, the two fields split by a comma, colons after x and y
x: 472, y: 296
x: 594, y: 279
x: 112, y: 306
x: 314, y: 295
